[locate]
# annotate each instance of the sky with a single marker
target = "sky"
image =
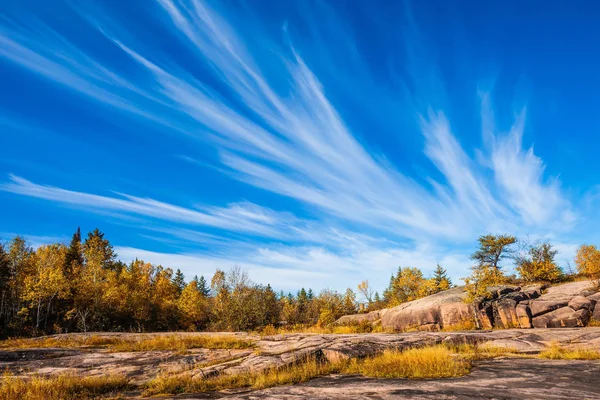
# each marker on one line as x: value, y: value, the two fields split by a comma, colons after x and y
x: 312, y: 143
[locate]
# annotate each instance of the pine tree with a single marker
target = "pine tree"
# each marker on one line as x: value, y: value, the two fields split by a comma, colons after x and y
x: 203, y: 286
x: 179, y: 280
x: 74, y: 257
x: 487, y: 271
x: 440, y: 280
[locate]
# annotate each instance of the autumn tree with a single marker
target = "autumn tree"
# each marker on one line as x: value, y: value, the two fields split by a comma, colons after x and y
x: 407, y: 285
x: 5, y: 286
x: 537, y: 264
x: 98, y: 251
x: 349, y: 302
x: 587, y: 261
x: 193, y: 307
x: 366, y: 291
x: 45, y: 283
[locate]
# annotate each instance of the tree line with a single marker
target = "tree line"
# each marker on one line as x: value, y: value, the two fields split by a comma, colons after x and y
x: 57, y: 288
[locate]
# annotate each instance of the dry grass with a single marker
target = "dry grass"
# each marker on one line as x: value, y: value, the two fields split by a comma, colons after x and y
x: 465, y: 325
x: 62, y: 387
x: 594, y: 322
x: 300, y: 372
x: 124, y: 344
x: 422, y: 363
x: 555, y: 352
x: 363, y: 327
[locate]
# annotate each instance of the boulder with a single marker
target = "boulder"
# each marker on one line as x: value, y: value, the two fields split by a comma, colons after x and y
x: 505, y: 315
x: 444, y: 309
x: 539, y: 307
x: 579, y: 302
x: 485, y: 316
x: 594, y: 298
x: 596, y: 314
x: 533, y: 291
x: 569, y: 290
x: 523, y: 316
x: 499, y: 290
x: 564, y: 317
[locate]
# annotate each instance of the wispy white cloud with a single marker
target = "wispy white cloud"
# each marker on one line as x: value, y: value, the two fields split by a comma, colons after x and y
x: 285, y: 135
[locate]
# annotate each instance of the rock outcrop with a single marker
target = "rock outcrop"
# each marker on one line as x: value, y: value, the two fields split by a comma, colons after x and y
x: 534, y: 306
x: 269, y: 352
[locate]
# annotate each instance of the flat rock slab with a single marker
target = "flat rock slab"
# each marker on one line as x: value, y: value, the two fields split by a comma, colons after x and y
x: 508, y: 378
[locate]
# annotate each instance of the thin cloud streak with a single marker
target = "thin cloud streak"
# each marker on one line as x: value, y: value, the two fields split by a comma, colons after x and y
x: 292, y: 141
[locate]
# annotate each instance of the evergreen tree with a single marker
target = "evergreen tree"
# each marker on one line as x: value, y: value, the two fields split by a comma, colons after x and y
x: 179, y: 280
x: 74, y: 257
x: 440, y: 280
x: 203, y: 286
x: 310, y: 295
x: 487, y: 271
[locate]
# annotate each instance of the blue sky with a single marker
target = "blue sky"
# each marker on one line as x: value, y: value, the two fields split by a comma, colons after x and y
x: 313, y: 143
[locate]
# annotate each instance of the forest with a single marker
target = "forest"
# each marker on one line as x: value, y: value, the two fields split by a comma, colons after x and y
x: 83, y: 287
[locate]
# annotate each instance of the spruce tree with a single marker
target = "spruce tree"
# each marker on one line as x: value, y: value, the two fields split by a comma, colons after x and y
x: 74, y: 255
x: 203, y: 286
x: 179, y: 280
x: 441, y: 280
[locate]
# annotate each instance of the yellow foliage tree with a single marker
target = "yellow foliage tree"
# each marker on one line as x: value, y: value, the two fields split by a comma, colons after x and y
x: 192, y: 307
x: 539, y: 265
x: 407, y: 285
x: 46, y: 282
x: 587, y: 261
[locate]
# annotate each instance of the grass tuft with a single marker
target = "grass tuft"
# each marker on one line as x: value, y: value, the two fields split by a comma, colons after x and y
x: 418, y: 363
x: 62, y: 387
x: 555, y: 352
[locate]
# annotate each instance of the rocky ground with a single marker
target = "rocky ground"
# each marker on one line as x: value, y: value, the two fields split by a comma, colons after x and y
x: 501, y: 378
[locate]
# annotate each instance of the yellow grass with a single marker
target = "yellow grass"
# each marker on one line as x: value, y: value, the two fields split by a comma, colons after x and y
x: 363, y: 327
x: 421, y: 363
x: 301, y: 372
x: 594, y: 322
x: 62, y: 387
x: 555, y: 352
x: 126, y: 344
x: 465, y: 325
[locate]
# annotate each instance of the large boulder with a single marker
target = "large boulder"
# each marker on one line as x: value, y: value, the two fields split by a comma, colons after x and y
x: 523, y: 316
x: 505, y: 315
x: 579, y: 302
x: 539, y: 307
x: 439, y: 310
x: 570, y: 290
x: 564, y: 317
